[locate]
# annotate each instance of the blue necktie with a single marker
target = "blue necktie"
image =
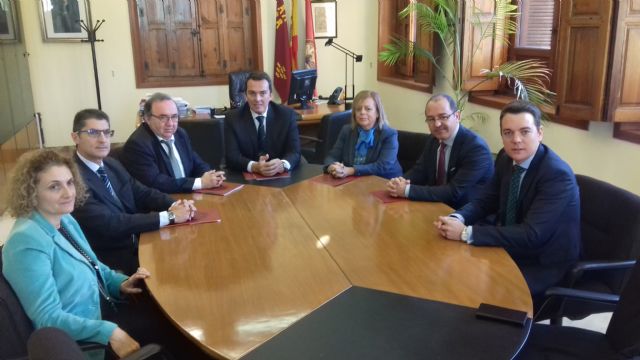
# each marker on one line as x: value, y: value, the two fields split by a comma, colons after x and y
x: 512, y: 200
x: 105, y: 179
x: 262, y: 136
x: 177, y: 171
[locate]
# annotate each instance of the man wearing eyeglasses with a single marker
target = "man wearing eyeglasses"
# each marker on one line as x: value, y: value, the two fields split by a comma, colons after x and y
x: 118, y: 207
x: 530, y: 207
x: 159, y: 153
x: 454, y: 164
x: 262, y: 136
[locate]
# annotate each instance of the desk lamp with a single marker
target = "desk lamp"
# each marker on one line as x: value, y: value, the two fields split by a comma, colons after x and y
x: 354, y: 59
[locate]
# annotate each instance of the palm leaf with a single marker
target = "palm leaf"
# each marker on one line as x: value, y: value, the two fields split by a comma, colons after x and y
x: 527, y: 78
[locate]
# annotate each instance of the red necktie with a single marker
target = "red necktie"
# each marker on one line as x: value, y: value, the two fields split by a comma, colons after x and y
x: 441, y: 175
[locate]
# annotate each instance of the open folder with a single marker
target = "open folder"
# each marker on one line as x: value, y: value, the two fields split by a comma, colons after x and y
x: 201, y: 217
x: 222, y: 190
x: 253, y: 176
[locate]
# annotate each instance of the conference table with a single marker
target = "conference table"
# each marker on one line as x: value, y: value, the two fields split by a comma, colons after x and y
x: 309, y: 270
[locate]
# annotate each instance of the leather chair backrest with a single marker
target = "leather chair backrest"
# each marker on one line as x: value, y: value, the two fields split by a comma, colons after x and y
x: 51, y: 343
x: 330, y: 127
x: 610, y: 221
x: 410, y: 147
x: 15, y: 326
x: 116, y: 151
x: 207, y: 139
x: 623, y: 331
x: 237, y: 88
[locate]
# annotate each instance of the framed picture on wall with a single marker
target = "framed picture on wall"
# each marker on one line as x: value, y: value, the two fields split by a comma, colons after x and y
x: 8, y: 21
x: 325, y: 16
x: 61, y: 19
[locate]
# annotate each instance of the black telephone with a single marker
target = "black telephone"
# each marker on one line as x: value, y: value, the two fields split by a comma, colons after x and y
x: 334, y: 99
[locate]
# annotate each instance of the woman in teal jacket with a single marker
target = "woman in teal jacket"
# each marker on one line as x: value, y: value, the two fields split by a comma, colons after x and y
x: 48, y: 261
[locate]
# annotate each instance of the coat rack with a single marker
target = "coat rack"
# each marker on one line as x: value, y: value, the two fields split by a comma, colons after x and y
x: 91, y: 30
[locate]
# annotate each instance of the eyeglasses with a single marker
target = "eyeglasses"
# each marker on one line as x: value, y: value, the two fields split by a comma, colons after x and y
x: 441, y: 118
x: 95, y: 133
x: 165, y: 118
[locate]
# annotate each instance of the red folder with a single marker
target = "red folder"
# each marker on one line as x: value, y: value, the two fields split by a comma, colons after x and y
x: 330, y: 180
x: 202, y: 216
x: 383, y: 195
x: 223, y: 190
x: 252, y: 176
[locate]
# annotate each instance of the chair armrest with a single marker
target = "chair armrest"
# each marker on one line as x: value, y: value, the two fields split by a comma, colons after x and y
x: 310, y: 138
x: 144, y: 352
x: 582, y: 295
x: 574, y: 294
x: 580, y: 267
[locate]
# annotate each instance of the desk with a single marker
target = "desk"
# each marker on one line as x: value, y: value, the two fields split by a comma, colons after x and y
x: 278, y: 255
x: 314, y: 114
x: 309, y: 117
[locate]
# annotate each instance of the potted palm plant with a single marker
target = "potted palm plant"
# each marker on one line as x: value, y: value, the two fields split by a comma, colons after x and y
x: 443, y: 18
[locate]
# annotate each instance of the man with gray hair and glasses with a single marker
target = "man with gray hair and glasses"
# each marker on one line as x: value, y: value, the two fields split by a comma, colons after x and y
x: 454, y: 164
x: 159, y: 153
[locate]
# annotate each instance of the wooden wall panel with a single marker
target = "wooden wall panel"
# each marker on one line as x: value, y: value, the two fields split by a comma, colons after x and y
x: 491, y: 52
x: 583, y: 54
x: 624, y: 97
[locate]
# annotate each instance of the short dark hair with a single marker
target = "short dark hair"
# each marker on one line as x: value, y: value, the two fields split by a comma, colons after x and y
x: 519, y: 107
x: 452, y: 103
x: 83, y: 115
x: 157, y: 97
x: 258, y: 76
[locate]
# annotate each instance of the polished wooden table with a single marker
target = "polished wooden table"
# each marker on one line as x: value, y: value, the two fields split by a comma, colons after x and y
x: 277, y: 255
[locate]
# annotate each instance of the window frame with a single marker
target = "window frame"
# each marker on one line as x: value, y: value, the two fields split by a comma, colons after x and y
x: 420, y: 80
x: 144, y: 81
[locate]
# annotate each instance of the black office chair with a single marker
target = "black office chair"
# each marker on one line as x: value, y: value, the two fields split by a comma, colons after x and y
x: 410, y: 147
x: 237, y: 88
x: 621, y: 341
x: 610, y: 231
x: 15, y: 326
x: 51, y: 343
x: 330, y: 126
x: 16, y: 329
x: 207, y: 139
x: 116, y: 150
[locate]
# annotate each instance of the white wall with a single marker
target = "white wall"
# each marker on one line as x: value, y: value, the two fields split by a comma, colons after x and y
x: 62, y: 79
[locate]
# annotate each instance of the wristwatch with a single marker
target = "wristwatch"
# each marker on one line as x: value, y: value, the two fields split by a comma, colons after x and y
x: 465, y: 235
x: 172, y: 217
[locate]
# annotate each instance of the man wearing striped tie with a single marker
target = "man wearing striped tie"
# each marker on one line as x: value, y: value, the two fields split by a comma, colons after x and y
x: 118, y: 207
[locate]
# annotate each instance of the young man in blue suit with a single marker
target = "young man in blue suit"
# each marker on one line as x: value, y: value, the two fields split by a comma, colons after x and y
x: 261, y: 137
x: 118, y: 207
x: 466, y: 160
x: 159, y: 153
x: 530, y: 207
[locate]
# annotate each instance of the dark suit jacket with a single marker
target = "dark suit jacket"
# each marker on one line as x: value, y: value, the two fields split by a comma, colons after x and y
x: 381, y: 160
x: 241, y: 136
x: 470, y: 166
x: 147, y: 161
x: 108, y: 223
x: 546, y: 237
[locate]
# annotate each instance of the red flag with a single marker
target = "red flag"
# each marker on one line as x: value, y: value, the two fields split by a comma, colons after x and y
x: 294, y: 34
x: 282, y: 68
x: 310, y: 58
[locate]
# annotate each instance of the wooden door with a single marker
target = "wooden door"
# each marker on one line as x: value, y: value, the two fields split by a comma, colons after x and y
x: 583, y: 54
x: 624, y: 94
